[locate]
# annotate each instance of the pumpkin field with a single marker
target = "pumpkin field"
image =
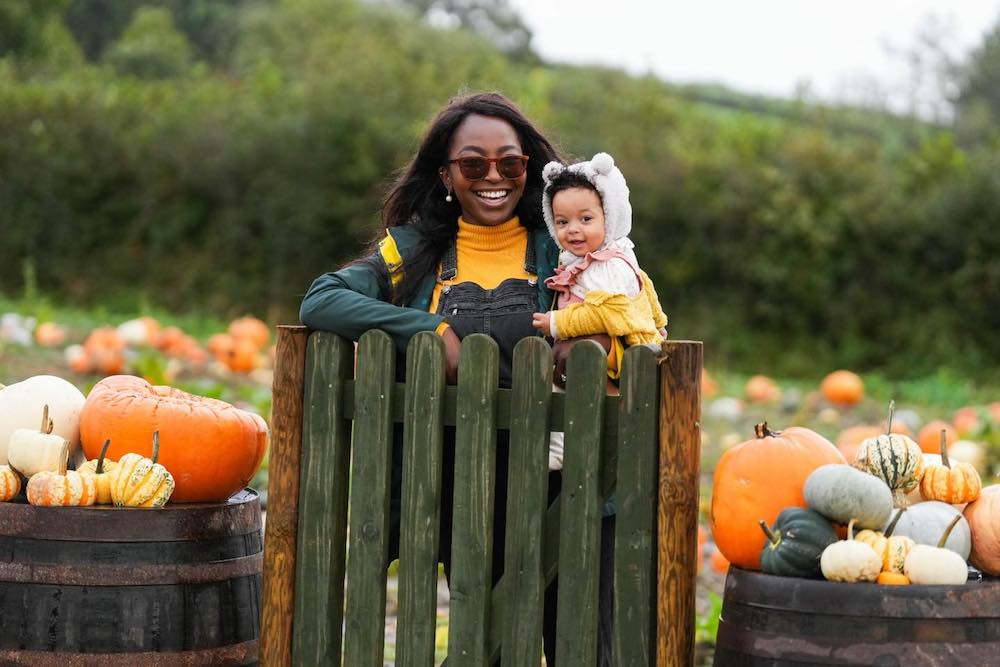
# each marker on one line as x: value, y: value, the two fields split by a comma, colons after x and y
x: 232, y: 361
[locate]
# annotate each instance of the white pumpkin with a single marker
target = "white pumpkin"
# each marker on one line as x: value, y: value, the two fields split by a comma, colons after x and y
x: 970, y: 452
x: 937, y: 565
x: 925, y: 522
x: 21, y: 405
x: 849, y: 560
x: 31, y: 451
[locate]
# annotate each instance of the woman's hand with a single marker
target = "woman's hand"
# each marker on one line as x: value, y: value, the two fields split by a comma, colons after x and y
x: 542, y: 322
x: 452, y: 348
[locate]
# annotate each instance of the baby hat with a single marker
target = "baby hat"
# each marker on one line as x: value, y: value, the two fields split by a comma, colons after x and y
x: 610, y: 184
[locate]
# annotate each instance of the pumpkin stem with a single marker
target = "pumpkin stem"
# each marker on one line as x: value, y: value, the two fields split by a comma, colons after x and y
x: 850, y: 529
x: 892, y: 524
x: 762, y: 431
x: 944, y: 450
x: 100, y: 459
x: 156, y: 445
x: 47, y: 424
x: 771, y: 537
x: 888, y: 422
x: 947, y: 531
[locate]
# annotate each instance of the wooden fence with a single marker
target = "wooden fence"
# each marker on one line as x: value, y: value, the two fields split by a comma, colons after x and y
x: 331, y: 449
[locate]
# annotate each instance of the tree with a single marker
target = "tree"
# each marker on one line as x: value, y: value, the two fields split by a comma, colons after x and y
x: 497, y: 21
x: 151, y: 47
x: 979, y: 88
x: 22, y: 24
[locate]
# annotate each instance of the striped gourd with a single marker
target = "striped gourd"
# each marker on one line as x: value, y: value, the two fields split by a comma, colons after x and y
x: 141, y: 482
x: 894, y: 458
x: 892, y: 548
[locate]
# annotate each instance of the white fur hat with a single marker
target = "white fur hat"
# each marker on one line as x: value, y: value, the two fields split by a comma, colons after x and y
x: 610, y: 184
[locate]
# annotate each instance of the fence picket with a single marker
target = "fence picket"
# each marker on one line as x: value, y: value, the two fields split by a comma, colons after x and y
x: 323, y: 484
x: 472, y: 523
x: 527, y: 495
x: 369, y: 494
x: 423, y: 431
x: 580, y: 515
x: 635, y: 523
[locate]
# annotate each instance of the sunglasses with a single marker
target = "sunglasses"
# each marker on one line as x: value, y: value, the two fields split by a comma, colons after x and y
x: 475, y: 168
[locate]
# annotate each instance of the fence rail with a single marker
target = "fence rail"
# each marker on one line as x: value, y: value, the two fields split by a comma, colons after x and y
x: 332, y: 448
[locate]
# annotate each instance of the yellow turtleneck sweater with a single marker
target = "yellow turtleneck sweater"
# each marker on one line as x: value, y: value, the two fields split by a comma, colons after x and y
x: 487, y: 256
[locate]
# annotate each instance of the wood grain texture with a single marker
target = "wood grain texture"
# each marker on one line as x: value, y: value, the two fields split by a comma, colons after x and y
x: 472, y: 523
x: 768, y: 620
x: 368, y: 548
x: 635, y: 523
x: 580, y: 518
x: 677, y: 516
x: 527, y: 495
x: 283, y: 493
x: 324, y: 480
x: 423, y: 434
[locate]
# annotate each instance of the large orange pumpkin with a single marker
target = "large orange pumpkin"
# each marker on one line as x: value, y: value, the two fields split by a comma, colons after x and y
x: 756, y: 480
x: 842, y: 388
x: 929, y: 437
x: 983, y: 515
x: 211, y: 448
x: 251, y: 329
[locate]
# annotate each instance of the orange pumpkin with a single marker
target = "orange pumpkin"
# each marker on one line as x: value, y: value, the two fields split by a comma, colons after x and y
x: 10, y: 483
x: 966, y: 420
x: 242, y: 357
x: 892, y: 579
x: 215, y: 449
x: 169, y: 338
x: 709, y: 386
x: 842, y: 388
x: 983, y: 515
x: 105, y: 350
x: 219, y: 345
x: 850, y: 439
x: 756, y: 480
x: 953, y: 483
x: 251, y: 329
x: 50, y: 334
x: 67, y: 488
x: 718, y: 561
x: 762, y: 389
x: 929, y: 437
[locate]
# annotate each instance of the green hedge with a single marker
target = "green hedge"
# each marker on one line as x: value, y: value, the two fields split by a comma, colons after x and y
x: 783, y: 241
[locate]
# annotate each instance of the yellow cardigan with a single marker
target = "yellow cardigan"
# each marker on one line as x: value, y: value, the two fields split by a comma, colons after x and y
x: 637, y: 319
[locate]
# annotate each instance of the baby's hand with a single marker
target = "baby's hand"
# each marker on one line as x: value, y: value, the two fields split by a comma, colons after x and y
x: 542, y: 322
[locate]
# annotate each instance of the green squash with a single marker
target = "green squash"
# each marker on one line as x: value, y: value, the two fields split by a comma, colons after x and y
x: 841, y: 493
x: 795, y: 543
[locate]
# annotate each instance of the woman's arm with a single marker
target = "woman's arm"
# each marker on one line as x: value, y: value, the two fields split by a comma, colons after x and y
x: 351, y: 301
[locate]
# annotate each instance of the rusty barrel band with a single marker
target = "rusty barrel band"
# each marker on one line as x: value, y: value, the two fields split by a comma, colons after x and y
x: 235, y: 654
x: 86, y: 574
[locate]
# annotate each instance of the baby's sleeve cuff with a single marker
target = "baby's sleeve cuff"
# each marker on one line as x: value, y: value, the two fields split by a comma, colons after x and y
x: 441, y: 328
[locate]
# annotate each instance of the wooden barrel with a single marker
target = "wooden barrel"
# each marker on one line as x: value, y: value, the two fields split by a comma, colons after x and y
x: 178, y: 585
x: 773, y: 621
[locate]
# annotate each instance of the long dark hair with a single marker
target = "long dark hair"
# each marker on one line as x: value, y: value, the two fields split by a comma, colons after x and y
x: 418, y: 196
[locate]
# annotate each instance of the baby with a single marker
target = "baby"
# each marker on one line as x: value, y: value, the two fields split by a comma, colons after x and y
x: 600, y: 287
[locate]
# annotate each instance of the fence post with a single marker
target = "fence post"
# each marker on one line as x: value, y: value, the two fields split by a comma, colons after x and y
x: 677, y: 516
x: 283, y: 487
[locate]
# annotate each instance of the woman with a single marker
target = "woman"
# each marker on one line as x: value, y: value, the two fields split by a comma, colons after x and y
x: 465, y: 250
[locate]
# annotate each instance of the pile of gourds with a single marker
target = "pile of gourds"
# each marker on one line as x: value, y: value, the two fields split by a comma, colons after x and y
x: 210, y: 450
x: 783, y: 502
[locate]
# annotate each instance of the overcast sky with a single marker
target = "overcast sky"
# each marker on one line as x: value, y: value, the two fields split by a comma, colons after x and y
x: 775, y: 47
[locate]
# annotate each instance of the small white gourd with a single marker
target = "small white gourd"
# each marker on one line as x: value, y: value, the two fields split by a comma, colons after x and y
x: 31, y: 451
x: 936, y: 565
x: 849, y: 560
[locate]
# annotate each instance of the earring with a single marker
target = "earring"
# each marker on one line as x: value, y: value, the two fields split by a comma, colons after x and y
x: 448, y: 197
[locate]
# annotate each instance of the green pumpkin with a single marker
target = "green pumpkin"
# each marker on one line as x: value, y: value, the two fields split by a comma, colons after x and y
x: 795, y: 543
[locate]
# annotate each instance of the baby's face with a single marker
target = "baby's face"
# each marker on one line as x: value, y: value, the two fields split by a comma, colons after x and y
x: 579, y: 220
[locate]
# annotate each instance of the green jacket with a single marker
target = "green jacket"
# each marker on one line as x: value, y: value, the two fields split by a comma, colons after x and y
x: 355, y: 299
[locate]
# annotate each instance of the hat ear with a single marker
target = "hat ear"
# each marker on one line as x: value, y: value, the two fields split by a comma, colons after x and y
x: 603, y: 163
x: 551, y: 170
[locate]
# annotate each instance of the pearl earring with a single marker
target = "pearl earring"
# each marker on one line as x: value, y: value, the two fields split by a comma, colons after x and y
x: 448, y: 197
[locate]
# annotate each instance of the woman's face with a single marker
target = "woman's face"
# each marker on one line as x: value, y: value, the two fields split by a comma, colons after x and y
x: 491, y: 200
